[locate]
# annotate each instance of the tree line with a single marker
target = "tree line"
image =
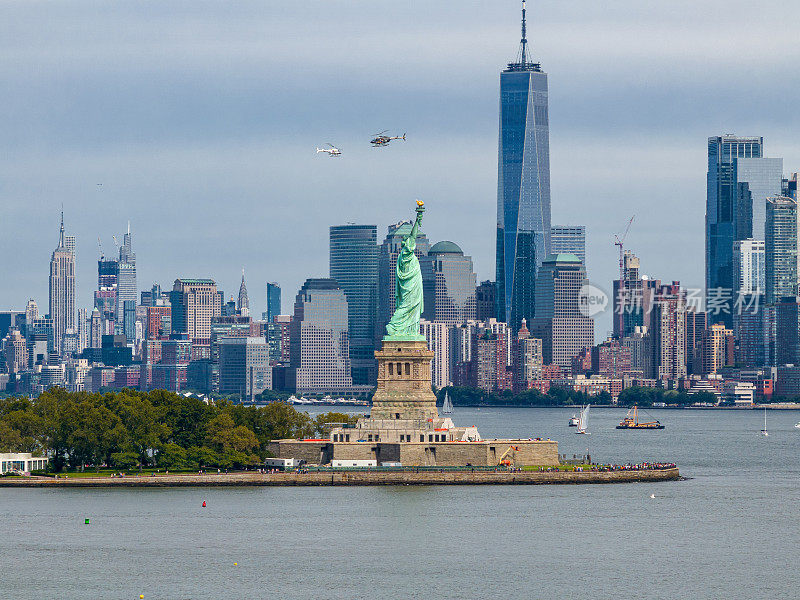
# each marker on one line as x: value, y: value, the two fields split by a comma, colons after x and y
x: 127, y: 429
x: 640, y: 396
x: 469, y: 396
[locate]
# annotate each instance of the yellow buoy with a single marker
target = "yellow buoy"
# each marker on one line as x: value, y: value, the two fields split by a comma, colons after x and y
x: 235, y: 564
x: 141, y: 596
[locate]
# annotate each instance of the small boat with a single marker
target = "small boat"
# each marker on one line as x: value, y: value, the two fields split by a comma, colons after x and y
x: 447, y: 405
x: 573, y: 422
x: 631, y: 421
x: 583, y: 420
x: 797, y: 425
x: 764, y: 431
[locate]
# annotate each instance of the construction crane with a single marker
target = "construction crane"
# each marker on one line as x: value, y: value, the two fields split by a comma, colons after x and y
x: 512, y: 450
x: 619, y: 241
x: 100, y: 245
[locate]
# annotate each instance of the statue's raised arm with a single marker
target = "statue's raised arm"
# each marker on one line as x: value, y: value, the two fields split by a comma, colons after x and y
x: 408, y: 289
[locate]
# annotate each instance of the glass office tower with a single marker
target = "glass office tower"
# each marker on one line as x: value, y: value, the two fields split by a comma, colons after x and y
x: 726, y: 218
x: 273, y: 302
x: 757, y: 179
x: 780, y: 249
x: 454, y: 284
x: 523, y: 185
x: 354, y: 266
x: 568, y: 239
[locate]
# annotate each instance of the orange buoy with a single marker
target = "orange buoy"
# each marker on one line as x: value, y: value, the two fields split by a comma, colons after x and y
x: 204, y: 503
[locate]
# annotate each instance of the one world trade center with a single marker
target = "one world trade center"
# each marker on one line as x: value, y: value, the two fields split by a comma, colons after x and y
x: 523, y: 185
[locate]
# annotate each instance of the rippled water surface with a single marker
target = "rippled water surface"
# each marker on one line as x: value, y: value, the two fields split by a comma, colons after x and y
x: 730, y: 531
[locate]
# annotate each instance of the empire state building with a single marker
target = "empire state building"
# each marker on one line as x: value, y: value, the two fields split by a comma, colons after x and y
x: 523, y: 185
x: 62, y: 288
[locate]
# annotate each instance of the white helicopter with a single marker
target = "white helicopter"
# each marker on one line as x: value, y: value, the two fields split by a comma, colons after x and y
x: 332, y: 151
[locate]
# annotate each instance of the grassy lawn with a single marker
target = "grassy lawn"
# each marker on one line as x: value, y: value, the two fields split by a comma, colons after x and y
x: 129, y: 473
x: 565, y: 468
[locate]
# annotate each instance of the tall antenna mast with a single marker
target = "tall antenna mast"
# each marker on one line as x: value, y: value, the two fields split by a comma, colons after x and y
x: 524, y: 41
x: 523, y: 62
x: 61, y: 232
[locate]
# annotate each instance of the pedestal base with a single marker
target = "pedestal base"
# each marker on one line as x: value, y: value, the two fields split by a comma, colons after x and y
x: 404, y: 382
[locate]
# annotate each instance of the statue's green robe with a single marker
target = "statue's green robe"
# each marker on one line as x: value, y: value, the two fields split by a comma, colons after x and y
x: 408, y: 290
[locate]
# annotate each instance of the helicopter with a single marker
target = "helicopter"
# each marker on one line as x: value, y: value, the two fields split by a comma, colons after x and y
x: 380, y: 140
x: 332, y: 151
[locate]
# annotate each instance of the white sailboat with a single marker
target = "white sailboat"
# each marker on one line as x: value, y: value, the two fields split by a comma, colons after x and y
x: 583, y: 420
x: 447, y: 405
x: 764, y: 431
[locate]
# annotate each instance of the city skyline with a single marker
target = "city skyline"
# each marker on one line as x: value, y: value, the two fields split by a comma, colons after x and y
x: 160, y: 166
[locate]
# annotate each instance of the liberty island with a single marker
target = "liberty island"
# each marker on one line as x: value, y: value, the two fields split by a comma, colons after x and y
x: 404, y: 426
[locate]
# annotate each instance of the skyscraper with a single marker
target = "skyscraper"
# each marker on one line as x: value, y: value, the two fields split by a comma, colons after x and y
x: 748, y: 317
x: 748, y: 266
x: 438, y: 338
x: 105, y: 297
x: 696, y: 325
x: 453, y: 284
x: 729, y: 211
x: 527, y: 360
x: 62, y: 289
x: 780, y: 249
x: 669, y: 332
x: 243, y: 303
x: 569, y: 239
x: 273, y: 302
x: 631, y: 304
x: 83, y: 330
x: 717, y: 349
x: 523, y: 185
x: 354, y: 266
x: 320, y: 348
x: 127, y: 290
x: 787, y: 331
x: 756, y: 180
x: 559, y: 323
x: 485, y: 301
x: 244, y: 366
x: 95, y: 329
x: 194, y: 302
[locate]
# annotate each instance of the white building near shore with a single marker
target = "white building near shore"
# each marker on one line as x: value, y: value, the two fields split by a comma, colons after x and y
x: 21, y: 461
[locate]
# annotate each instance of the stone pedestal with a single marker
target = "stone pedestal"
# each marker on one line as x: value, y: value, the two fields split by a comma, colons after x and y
x: 404, y: 382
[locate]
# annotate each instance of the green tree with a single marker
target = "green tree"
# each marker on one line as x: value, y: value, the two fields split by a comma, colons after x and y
x: 142, y: 421
x: 199, y: 457
x: 10, y: 438
x: 234, y: 444
x: 282, y: 421
x: 125, y: 459
x: 321, y: 422
x: 173, y: 456
x: 703, y: 397
x: 185, y: 417
x: 96, y: 433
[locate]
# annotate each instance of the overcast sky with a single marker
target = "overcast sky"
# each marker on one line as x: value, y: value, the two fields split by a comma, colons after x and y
x: 200, y: 119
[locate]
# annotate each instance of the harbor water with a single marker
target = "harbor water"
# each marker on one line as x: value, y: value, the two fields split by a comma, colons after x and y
x: 729, y: 530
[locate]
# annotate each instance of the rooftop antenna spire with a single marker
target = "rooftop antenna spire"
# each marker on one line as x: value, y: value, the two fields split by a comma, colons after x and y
x: 523, y: 61
x: 524, y: 41
x: 61, y: 234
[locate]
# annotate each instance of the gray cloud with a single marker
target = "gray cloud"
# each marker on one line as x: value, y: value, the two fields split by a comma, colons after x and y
x: 200, y: 119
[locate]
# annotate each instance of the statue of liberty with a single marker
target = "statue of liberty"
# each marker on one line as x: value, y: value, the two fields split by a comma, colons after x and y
x: 408, y: 290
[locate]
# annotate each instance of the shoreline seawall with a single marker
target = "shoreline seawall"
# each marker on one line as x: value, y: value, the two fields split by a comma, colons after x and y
x: 359, y: 478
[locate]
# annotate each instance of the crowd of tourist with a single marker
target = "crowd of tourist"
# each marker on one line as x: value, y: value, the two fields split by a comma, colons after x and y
x: 644, y: 466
